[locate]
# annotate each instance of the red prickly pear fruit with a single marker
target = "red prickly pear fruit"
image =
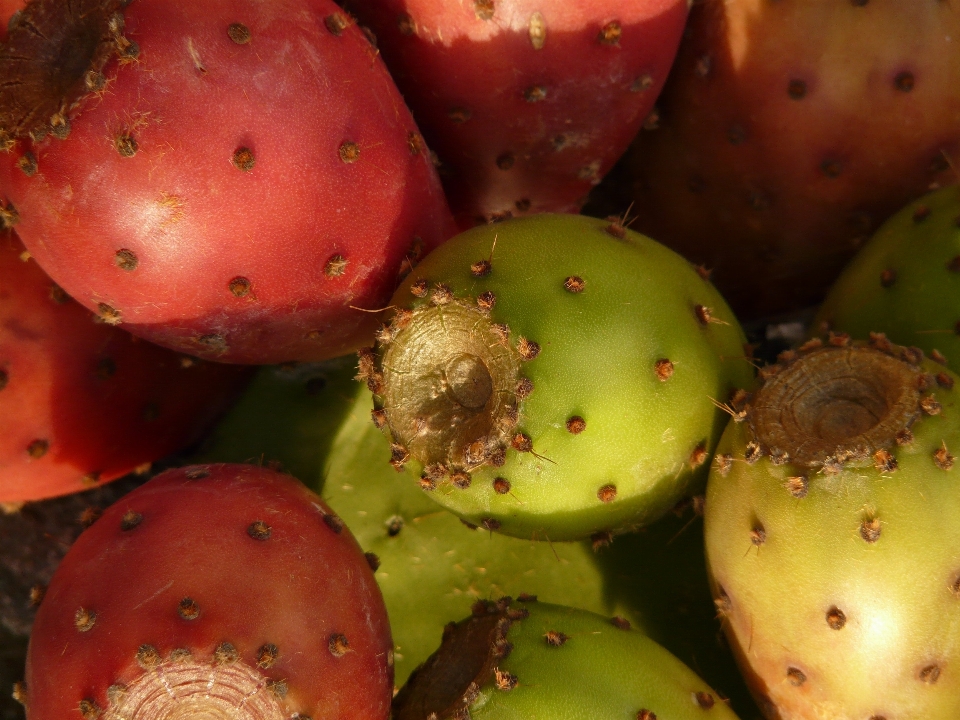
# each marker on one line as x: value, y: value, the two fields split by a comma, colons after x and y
x: 789, y: 131
x: 82, y: 403
x: 227, y: 576
x: 528, y: 103
x: 235, y: 180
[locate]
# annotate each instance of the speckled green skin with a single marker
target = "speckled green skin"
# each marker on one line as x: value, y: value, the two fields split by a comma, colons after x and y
x: 599, y: 350
x: 902, y: 615
x: 314, y: 421
x: 921, y: 305
x: 599, y: 671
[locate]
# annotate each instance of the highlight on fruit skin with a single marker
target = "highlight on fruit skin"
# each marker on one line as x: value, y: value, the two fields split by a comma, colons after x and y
x: 831, y: 533
x: 555, y: 377
x: 217, y: 590
x: 523, y: 658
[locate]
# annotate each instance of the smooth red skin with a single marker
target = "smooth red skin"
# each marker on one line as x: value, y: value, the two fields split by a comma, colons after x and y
x: 294, y: 590
x: 51, y: 353
x: 486, y: 65
x: 292, y: 95
x: 761, y: 213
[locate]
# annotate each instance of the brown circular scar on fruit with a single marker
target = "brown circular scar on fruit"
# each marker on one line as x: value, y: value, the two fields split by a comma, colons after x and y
x: 52, y: 58
x: 449, y: 383
x: 243, y: 159
x: 836, y: 402
x: 126, y: 260
x: 239, y: 33
x: 180, y: 690
x: 450, y: 680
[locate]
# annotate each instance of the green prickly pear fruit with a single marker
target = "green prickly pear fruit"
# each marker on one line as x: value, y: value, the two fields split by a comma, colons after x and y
x: 313, y: 420
x: 536, y: 660
x: 555, y: 376
x: 831, y: 530
x: 905, y: 282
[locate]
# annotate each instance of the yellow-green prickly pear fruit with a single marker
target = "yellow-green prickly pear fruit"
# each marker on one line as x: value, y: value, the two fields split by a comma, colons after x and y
x: 832, y: 529
x: 556, y: 376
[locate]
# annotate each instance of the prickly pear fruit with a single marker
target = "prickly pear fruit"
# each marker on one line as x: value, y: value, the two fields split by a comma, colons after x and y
x: 530, y: 659
x: 230, y: 178
x: 83, y: 403
x: 832, y: 534
x: 212, y: 591
x: 430, y: 564
x: 555, y: 376
x: 905, y: 282
x: 789, y: 131
x: 528, y: 103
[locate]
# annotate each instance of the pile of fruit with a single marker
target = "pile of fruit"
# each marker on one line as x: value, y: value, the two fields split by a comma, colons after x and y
x: 430, y: 360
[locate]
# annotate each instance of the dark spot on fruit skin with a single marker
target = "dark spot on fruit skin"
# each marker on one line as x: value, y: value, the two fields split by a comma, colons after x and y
x: 267, y: 655
x: 704, y: 700
x: 459, y: 115
x: 243, y: 159
x: 84, y: 620
x: 576, y: 425
x: 501, y: 486
x: 620, y: 622
x: 554, y: 638
x: 349, y: 152
x: 406, y: 25
x: 930, y: 674
x: 239, y: 287
x: 574, y: 284
x: 38, y: 448
x: 333, y: 522
x: 126, y: 145
x: 888, y: 277
x: 89, y: 709
x: 58, y: 295
x: 796, y: 677
x: 521, y: 442
x: 831, y: 168
x: 239, y: 33
x: 758, y: 535
x: 259, y: 530
x: 197, y: 473
x: 607, y: 493
x: 106, y: 368
x: 338, y: 645
x: 336, y: 23
x: 126, y: 260
x: 28, y: 164
x: 524, y: 388
x: 481, y: 268
x: 109, y: 315
x: 942, y: 457
x: 148, y: 657
x: 528, y: 349
x: 797, y: 89
x: 486, y: 300
x: 870, y: 529
x: 836, y: 618
x: 491, y: 524
x: 188, y: 609
x: 504, y: 680
x: 535, y: 93
x: 506, y: 160
x: 904, y: 81
x: 664, y: 369
x: 130, y: 520
x: 610, y: 33
x: 225, y: 654
x: 645, y: 714
x: 699, y: 455
x: 373, y: 560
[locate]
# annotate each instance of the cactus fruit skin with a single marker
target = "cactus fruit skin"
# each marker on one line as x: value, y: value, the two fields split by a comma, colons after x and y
x: 531, y: 659
x: 238, y: 191
x: 559, y: 376
x: 905, y: 282
x: 83, y: 403
x: 431, y: 565
x: 836, y: 571
x: 789, y: 131
x: 527, y: 103
x: 226, y: 576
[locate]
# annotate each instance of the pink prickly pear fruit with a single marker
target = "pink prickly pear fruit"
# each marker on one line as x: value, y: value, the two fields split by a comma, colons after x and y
x: 227, y: 577
x: 236, y: 180
x: 83, y: 403
x: 790, y: 131
x: 528, y: 103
